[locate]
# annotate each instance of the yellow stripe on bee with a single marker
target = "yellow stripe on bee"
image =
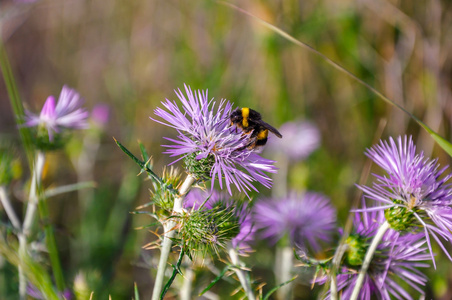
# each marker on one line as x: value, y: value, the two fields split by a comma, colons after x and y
x: 262, y: 135
x: 245, y: 114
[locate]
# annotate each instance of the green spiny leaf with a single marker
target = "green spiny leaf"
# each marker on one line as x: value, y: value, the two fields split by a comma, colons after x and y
x: 278, y: 287
x: 218, y: 278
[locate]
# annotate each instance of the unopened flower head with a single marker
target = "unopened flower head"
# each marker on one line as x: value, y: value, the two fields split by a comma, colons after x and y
x: 301, y: 138
x: 55, y: 117
x: 412, y: 194
x: 211, y: 201
x: 396, y: 256
x: 210, y: 147
x: 305, y: 218
x: 161, y: 195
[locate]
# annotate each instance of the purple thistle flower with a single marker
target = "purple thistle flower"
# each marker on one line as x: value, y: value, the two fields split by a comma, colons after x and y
x: 411, y: 194
x: 196, y: 197
x: 396, y: 256
x: 205, y: 134
x: 301, y: 138
x: 305, y: 218
x: 67, y: 113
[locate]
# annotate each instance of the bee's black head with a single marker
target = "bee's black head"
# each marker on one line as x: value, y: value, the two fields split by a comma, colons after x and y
x: 236, y: 116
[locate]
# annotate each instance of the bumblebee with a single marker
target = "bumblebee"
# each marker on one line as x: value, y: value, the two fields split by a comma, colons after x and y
x: 250, y: 122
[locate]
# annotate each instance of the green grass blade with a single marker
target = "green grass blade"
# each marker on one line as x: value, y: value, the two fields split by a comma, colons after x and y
x: 16, y: 104
x: 443, y: 143
x: 137, y: 295
x: 34, y: 272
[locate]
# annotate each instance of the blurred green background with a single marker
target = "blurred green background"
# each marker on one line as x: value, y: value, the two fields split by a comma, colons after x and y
x: 131, y: 55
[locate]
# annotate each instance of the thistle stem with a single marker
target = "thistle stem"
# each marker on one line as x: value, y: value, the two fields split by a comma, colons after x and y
x: 36, y: 201
x: 185, y: 291
x: 169, y: 234
x: 4, y: 199
x: 16, y: 224
x: 284, y: 267
x: 244, y: 280
x: 29, y: 216
x: 367, y: 259
x: 33, y: 198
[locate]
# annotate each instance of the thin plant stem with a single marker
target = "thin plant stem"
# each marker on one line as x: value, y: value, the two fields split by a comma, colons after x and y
x: 280, y: 185
x: 9, y: 209
x: 169, y: 235
x: 16, y: 224
x: 284, y: 253
x: 37, y: 201
x: 29, y: 216
x: 185, y: 291
x: 368, y: 258
x: 284, y: 267
x: 16, y: 103
x: 51, y: 245
x: 244, y: 280
x: 33, y: 198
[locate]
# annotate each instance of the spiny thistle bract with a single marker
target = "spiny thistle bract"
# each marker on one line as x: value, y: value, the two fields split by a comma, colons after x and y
x: 161, y: 196
x: 213, y: 221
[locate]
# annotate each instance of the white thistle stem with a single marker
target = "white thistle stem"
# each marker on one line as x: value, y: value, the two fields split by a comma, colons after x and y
x: 241, y: 274
x: 29, y: 216
x: 336, y: 262
x: 367, y: 259
x: 9, y: 208
x: 16, y: 223
x: 169, y: 234
x: 185, y: 291
x: 33, y: 199
x: 284, y: 268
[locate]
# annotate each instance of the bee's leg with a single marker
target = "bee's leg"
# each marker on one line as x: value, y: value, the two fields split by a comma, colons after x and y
x: 250, y: 144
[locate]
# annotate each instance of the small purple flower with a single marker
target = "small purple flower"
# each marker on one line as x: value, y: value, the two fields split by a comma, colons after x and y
x: 306, y: 219
x: 412, y: 194
x: 197, y: 197
x: 35, y: 293
x: 396, y: 256
x: 301, y: 138
x: 67, y: 113
x: 206, y: 138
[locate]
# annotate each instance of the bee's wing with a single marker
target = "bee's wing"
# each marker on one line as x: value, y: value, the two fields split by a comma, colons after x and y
x: 269, y: 127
